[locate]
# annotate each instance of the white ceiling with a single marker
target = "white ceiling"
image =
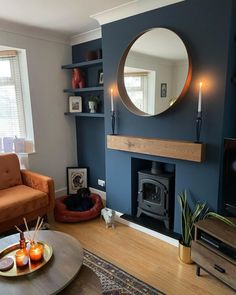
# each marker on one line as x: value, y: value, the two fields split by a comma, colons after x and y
x: 69, y: 17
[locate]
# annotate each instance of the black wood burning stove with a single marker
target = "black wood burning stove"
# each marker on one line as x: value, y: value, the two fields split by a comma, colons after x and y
x: 156, y: 195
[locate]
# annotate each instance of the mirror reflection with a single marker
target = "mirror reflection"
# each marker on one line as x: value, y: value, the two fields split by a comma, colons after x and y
x: 155, y: 72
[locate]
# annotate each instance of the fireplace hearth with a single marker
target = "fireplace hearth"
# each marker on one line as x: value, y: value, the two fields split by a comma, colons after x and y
x: 155, y: 194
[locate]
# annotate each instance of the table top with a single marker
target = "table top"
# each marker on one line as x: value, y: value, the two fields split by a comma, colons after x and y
x: 55, y: 275
x: 219, y: 229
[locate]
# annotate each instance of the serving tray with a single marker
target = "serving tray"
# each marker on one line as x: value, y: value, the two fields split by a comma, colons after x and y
x: 31, y: 267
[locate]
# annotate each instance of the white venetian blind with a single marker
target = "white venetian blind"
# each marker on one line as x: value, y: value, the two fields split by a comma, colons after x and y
x: 12, y: 117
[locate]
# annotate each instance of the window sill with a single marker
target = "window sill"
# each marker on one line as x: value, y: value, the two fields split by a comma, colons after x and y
x: 19, y: 154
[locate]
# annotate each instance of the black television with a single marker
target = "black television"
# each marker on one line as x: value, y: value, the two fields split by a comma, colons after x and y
x: 229, y: 176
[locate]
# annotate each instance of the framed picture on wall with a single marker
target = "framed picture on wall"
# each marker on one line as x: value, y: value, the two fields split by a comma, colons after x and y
x: 76, y: 179
x: 163, y: 89
x: 100, y: 77
x: 75, y: 104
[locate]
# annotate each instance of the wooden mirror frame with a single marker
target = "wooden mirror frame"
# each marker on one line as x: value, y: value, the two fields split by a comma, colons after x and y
x: 121, y: 85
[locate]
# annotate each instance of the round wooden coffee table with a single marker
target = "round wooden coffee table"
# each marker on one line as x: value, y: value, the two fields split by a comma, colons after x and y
x: 53, y: 277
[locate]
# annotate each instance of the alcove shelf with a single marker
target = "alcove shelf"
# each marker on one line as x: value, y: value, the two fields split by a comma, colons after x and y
x: 182, y: 150
x: 80, y: 90
x: 83, y: 64
x: 91, y: 115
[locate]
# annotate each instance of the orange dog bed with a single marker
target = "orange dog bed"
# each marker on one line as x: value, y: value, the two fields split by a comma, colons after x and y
x: 62, y: 214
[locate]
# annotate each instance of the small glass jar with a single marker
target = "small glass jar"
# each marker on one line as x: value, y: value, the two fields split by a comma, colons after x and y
x: 36, y: 251
x: 22, y: 255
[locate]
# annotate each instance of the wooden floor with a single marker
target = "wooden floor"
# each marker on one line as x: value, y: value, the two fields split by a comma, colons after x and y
x: 143, y: 256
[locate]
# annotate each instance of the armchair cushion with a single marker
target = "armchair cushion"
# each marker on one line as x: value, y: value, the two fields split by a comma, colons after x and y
x: 41, y: 183
x: 9, y: 171
x: 22, y: 193
x: 20, y: 200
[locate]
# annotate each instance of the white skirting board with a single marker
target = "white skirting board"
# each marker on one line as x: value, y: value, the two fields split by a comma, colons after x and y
x: 148, y: 231
x: 61, y: 192
x: 169, y: 240
x: 100, y: 193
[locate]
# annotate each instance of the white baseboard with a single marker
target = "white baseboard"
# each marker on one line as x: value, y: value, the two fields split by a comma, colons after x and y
x: 61, y: 192
x: 169, y: 240
x: 148, y: 231
x: 100, y: 193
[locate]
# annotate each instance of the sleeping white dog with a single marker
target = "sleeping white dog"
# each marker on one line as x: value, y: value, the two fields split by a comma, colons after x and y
x: 109, y: 217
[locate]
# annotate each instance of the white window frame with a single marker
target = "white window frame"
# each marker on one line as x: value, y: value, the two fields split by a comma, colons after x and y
x: 23, y: 93
x: 143, y: 87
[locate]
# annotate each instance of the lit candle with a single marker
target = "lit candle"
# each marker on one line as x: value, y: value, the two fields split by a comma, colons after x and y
x: 36, y: 252
x: 112, y: 101
x: 22, y: 257
x: 200, y: 98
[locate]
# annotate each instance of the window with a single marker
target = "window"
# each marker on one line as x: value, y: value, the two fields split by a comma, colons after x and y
x: 136, y: 86
x: 12, y: 106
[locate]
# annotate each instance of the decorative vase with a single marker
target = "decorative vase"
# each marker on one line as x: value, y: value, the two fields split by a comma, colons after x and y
x: 92, y: 106
x: 185, y: 253
x: 78, y: 79
x: 91, y: 55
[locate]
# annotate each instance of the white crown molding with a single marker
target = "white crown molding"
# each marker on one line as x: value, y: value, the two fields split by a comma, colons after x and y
x: 33, y: 32
x: 87, y: 36
x: 131, y: 8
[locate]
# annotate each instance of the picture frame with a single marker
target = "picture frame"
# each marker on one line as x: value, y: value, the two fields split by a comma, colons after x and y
x: 75, y: 104
x: 163, y: 89
x: 100, y: 77
x: 76, y: 178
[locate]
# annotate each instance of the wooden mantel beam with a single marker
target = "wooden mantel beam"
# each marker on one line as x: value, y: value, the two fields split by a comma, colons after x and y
x: 182, y: 150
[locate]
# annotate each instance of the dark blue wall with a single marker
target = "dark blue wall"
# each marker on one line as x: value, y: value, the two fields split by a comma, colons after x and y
x: 90, y: 130
x: 80, y: 51
x: 204, y: 25
x: 91, y: 148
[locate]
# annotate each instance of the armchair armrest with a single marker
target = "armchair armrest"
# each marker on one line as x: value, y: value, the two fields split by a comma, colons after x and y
x: 40, y: 182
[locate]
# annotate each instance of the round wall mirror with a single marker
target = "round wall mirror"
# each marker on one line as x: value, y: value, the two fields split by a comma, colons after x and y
x: 154, y: 72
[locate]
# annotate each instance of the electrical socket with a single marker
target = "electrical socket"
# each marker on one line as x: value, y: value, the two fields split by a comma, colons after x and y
x: 101, y: 182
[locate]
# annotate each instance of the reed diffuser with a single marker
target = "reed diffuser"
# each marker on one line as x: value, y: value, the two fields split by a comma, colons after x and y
x: 36, y: 250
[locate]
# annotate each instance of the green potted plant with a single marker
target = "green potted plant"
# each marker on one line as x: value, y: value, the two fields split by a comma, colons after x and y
x: 188, y: 218
x: 93, y: 103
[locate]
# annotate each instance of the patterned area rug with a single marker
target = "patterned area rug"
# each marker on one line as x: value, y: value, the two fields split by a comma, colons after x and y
x: 114, y: 280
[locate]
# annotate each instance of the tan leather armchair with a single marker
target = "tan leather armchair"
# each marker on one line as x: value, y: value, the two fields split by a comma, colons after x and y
x: 22, y: 193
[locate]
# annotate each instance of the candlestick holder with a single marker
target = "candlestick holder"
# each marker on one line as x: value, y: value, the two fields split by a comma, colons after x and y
x: 113, y: 122
x: 198, y: 126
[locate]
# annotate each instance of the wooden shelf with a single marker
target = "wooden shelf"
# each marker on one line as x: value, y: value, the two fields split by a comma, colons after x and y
x: 181, y: 150
x: 78, y: 90
x: 93, y: 115
x: 83, y: 64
